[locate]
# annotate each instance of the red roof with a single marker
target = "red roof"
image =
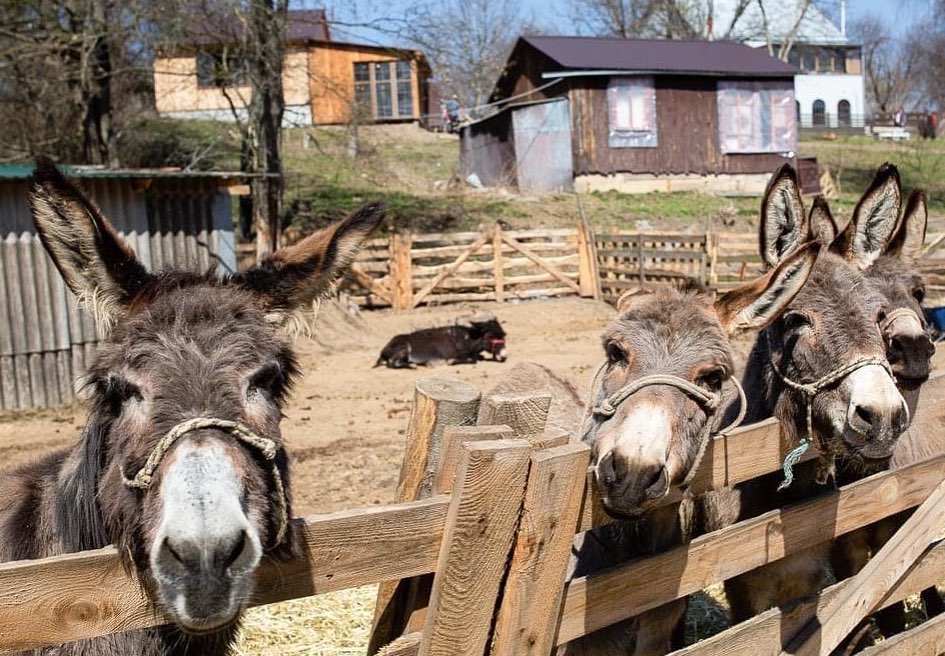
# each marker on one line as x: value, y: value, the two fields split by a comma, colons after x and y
x: 659, y: 56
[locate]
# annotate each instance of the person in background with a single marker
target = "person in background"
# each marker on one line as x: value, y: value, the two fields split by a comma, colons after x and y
x: 452, y: 113
x: 899, y: 118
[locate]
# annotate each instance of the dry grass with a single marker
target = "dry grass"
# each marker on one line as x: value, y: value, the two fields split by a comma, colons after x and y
x: 334, y: 624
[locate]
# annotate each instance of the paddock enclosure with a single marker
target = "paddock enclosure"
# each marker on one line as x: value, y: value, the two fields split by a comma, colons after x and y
x: 471, y: 557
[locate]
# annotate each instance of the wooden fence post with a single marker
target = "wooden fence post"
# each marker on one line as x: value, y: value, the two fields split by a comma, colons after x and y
x: 480, y: 529
x: 498, y: 263
x: 589, y: 278
x: 439, y: 402
x: 527, y: 622
x: 401, y: 271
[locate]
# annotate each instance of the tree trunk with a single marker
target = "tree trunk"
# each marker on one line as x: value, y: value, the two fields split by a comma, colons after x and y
x: 98, y: 138
x: 266, y: 108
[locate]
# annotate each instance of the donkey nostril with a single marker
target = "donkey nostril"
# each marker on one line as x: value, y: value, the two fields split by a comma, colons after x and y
x: 658, y: 484
x: 605, y: 470
x: 864, y: 414
x: 235, y: 551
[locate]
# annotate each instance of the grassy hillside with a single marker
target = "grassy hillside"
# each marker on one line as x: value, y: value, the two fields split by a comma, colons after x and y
x: 417, y: 174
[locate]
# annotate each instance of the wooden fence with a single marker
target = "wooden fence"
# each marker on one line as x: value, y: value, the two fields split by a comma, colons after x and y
x: 475, y: 550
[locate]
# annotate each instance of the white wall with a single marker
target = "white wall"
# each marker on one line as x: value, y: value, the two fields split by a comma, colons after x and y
x: 831, y: 88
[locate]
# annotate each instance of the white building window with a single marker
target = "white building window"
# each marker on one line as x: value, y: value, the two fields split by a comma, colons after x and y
x: 631, y: 111
x: 756, y: 117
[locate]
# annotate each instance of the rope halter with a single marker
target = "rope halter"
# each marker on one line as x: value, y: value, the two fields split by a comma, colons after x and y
x: 894, y: 315
x: 810, y: 390
x: 267, y: 447
x: 708, y: 401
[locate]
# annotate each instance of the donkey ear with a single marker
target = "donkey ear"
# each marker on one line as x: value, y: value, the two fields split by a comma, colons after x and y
x: 820, y: 222
x: 294, y: 276
x: 632, y: 297
x: 100, y: 269
x: 783, y: 224
x: 758, y: 303
x: 874, y: 220
x: 907, y: 243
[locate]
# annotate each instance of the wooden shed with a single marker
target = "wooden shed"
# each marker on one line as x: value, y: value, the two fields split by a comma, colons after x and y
x: 324, y: 80
x: 635, y: 115
x: 170, y: 219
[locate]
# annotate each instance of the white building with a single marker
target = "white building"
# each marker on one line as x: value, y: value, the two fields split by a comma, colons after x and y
x: 828, y: 88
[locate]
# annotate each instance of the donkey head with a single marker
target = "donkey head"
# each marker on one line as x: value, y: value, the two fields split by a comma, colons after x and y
x: 182, y: 465
x: 893, y: 273
x: 824, y: 358
x: 659, y: 394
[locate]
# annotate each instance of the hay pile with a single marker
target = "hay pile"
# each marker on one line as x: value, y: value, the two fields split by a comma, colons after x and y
x: 333, y: 624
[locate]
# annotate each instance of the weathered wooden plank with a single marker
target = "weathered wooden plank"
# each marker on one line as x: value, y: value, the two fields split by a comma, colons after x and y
x: 766, y: 633
x: 407, y: 645
x: 439, y: 402
x: 599, y: 600
x: 21, y: 372
x: 450, y: 269
x: 927, y: 638
x: 8, y: 399
x: 693, y: 256
x: 451, y: 450
x: 527, y: 252
x: 498, y: 264
x: 18, y: 329
x: 401, y: 271
x: 531, y: 600
x: 480, y: 529
x: 83, y: 595
x: 525, y: 414
x: 871, y: 584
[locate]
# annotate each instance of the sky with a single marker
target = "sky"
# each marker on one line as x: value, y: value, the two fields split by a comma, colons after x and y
x: 352, y: 16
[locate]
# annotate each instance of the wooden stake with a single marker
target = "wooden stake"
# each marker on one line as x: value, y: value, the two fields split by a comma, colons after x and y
x: 498, y: 264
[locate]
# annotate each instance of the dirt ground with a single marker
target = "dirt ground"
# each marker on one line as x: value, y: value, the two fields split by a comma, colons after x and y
x: 346, y: 421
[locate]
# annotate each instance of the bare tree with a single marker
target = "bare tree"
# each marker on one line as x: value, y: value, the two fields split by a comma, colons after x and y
x: 467, y: 42
x: 890, y: 67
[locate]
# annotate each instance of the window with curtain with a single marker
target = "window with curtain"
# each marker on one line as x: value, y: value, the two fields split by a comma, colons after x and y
x: 631, y: 112
x: 756, y: 117
x: 384, y: 90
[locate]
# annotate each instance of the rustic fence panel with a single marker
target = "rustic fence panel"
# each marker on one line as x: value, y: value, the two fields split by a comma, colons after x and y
x: 497, y: 545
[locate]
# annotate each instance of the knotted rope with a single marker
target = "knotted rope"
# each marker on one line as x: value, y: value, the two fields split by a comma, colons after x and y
x: 267, y: 447
x: 810, y: 390
x: 708, y: 401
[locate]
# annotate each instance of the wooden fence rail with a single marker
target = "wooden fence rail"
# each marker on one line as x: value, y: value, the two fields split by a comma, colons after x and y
x: 475, y: 552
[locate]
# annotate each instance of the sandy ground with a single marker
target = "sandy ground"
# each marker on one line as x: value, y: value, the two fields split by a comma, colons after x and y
x: 346, y: 421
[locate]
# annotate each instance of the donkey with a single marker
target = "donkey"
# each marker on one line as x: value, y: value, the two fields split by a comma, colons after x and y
x: 181, y: 465
x: 821, y: 369
x: 656, y: 402
x: 909, y: 350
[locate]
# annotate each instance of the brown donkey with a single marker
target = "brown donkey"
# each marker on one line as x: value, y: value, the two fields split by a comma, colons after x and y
x: 822, y: 370
x: 181, y: 464
x: 909, y: 350
x: 656, y: 402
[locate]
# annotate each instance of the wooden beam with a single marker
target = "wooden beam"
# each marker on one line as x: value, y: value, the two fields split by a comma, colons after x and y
x: 401, y: 271
x: 527, y: 252
x: 88, y: 594
x: 407, y: 645
x: 766, y: 633
x: 369, y: 283
x: 480, y: 529
x: 498, y: 264
x: 525, y: 414
x: 589, y: 278
x: 596, y: 601
x: 927, y: 638
x: 531, y: 601
x: 439, y: 402
x: 451, y: 450
x: 451, y: 268
x: 824, y: 632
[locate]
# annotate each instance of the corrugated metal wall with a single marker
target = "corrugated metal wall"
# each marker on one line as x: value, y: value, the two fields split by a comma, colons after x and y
x: 45, y: 339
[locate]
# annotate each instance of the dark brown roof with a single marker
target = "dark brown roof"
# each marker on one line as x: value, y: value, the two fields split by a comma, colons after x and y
x: 302, y: 25
x: 307, y: 25
x: 718, y: 58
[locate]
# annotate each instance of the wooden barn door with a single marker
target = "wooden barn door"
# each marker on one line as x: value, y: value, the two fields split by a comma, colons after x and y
x: 543, y: 146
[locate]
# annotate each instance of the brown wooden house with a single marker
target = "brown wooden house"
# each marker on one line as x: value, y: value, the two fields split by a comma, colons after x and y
x: 324, y: 81
x: 635, y: 115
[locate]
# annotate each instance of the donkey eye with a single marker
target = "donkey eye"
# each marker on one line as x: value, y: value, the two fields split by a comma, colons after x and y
x: 712, y: 380
x: 794, y: 321
x: 615, y: 354
x: 118, y: 390
x: 919, y: 293
x: 269, y: 379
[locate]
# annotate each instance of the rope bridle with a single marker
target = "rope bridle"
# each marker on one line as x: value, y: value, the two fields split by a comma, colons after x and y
x: 708, y: 401
x: 267, y: 447
x: 898, y: 313
x: 810, y: 390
